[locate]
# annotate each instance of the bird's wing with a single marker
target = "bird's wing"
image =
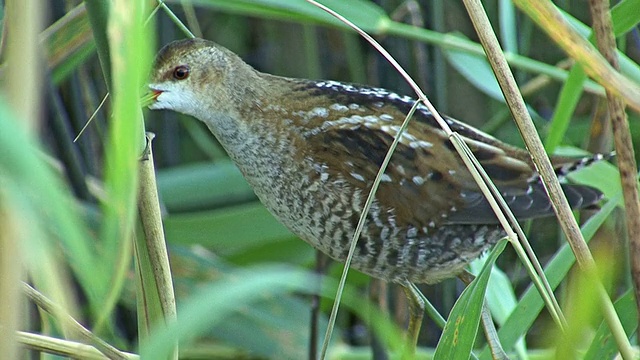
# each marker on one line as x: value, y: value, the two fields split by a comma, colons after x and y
x: 426, y: 183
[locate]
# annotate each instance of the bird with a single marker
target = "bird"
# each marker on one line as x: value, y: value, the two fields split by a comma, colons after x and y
x: 310, y: 149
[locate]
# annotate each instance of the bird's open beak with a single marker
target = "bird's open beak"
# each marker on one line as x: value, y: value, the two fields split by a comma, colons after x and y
x: 150, y: 97
x: 155, y: 94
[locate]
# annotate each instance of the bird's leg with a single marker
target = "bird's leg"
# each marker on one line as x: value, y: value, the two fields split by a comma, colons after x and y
x: 497, y: 352
x: 321, y: 265
x: 416, y: 312
x: 491, y: 333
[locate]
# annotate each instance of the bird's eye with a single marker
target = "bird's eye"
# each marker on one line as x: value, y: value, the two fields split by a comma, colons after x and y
x: 181, y: 72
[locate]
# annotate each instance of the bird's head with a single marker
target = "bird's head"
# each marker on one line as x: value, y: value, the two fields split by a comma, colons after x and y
x: 196, y: 77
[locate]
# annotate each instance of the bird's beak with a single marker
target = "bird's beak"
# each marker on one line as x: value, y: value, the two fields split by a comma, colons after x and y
x: 150, y: 97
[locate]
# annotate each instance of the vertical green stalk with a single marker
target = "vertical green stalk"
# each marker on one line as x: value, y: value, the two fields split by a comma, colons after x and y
x: 118, y: 35
x: 128, y: 54
x: 311, y: 53
x: 98, y: 13
x: 22, y: 93
x: 130, y: 59
x: 23, y: 73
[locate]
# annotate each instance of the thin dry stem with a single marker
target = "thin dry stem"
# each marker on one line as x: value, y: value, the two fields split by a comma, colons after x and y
x: 543, y: 165
x: 545, y: 14
x: 175, y: 19
x: 603, y: 29
x: 150, y: 216
x: 50, y: 307
x: 62, y: 347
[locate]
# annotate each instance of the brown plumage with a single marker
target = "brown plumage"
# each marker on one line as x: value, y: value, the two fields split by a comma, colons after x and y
x: 311, y: 149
